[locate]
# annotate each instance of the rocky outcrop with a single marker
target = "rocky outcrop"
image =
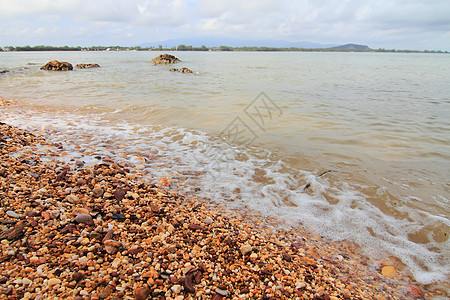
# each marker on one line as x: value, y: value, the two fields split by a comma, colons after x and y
x: 55, y: 65
x: 165, y: 59
x: 87, y: 66
x: 182, y: 70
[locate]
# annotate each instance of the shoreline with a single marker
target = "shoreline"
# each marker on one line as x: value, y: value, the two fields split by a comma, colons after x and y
x: 99, y: 231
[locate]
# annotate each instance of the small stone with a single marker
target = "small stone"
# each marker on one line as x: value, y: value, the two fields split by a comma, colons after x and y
x: 77, y: 276
x: 388, y: 271
x: 53, y: 281
x: 32, y: 213
x: 222, y: 292
x: 196, y: 227
x: 119, y: 194
x: 217, y: 297
x: 13, y: 214
x: 208, y: 221
x: 245, y: 249
x: 287, y: 257
x: 85, y: 241
x: 415, y: 292
x: 54, y: 214
x: 116, y: 263
x: 26, y: 281
x: 107, y: 195
x: 72, y: 199
x: 97, y: 192
x: 142, y: 293
x: 84, y: 218
x: 176, y: 288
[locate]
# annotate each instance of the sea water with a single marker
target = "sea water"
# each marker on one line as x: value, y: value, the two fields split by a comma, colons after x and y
x: 260, y: 131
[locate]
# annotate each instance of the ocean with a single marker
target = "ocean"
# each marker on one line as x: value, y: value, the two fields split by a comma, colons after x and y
x: 353, y: 146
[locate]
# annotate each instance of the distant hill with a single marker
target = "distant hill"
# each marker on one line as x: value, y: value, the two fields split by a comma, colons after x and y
x: 217, y: 42
x: 351, y: 47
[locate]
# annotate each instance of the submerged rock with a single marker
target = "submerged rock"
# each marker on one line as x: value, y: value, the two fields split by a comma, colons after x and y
x: 182, y: 70
x: 55, y: 65
x: 165, y: 59
x: 87, y: 66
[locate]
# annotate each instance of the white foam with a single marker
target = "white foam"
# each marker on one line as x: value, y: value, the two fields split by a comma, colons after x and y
x: 264, y: 184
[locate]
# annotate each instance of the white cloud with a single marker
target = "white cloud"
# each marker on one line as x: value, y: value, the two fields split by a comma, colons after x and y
x: 374, y: 22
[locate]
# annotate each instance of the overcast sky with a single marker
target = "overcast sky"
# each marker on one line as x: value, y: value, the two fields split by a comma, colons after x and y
x: 400, y: 24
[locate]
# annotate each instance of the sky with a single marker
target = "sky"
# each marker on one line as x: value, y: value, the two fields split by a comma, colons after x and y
x: 392, y: 24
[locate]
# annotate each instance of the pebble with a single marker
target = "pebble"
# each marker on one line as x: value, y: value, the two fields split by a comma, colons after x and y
x: 245, y: 249
x: 176, y: 288
x: 222, y: 292
x: 13, y: 214
x: 73, y: 199
x: 97, y: 192
x: 84, y: 218
x: 142, y: 293
x: 388, y: 271
x: 53, y: 281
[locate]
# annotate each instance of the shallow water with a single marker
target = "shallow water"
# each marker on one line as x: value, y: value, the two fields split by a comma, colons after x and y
x: 253, y: 129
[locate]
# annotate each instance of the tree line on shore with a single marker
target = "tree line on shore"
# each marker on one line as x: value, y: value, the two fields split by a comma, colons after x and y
x: 204, y: 48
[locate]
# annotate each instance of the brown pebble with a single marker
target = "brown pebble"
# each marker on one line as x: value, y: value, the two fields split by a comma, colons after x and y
x: 77, y: 276
x: 287, y: 257
x: 119, y: 194
x: 217, y: 297
x: 142, y: 293
x: 196, y: 227
x: 154, y: 208
x: 45, y: 215
x: 135, y: 251
x: 32, y: 213
x: 97, y: 192
x: 187, y: 282
x: 84, y: 218
x: 12, y: 233
x: 415, y: 292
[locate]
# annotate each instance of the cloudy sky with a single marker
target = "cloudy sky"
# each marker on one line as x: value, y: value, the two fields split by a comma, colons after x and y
x: 400, y: 24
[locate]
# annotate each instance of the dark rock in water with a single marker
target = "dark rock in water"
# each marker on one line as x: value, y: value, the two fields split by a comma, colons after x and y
x: 182, y: 70
x: 165, y: 59
x: 185, y: 70
x: 3, y: 71
x: 87, y: 66
x: 55, y: 65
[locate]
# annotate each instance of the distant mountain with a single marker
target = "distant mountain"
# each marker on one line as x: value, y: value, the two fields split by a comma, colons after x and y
x: 351, y: 47
x: 217, y: 42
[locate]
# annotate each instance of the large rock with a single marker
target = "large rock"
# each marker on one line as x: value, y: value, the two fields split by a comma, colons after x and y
x: 165, y: 59
x: 55, y: 65
x: 87, y: 66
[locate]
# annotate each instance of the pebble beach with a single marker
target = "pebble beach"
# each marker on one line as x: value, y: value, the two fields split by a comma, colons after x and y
x: 101, y: 232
